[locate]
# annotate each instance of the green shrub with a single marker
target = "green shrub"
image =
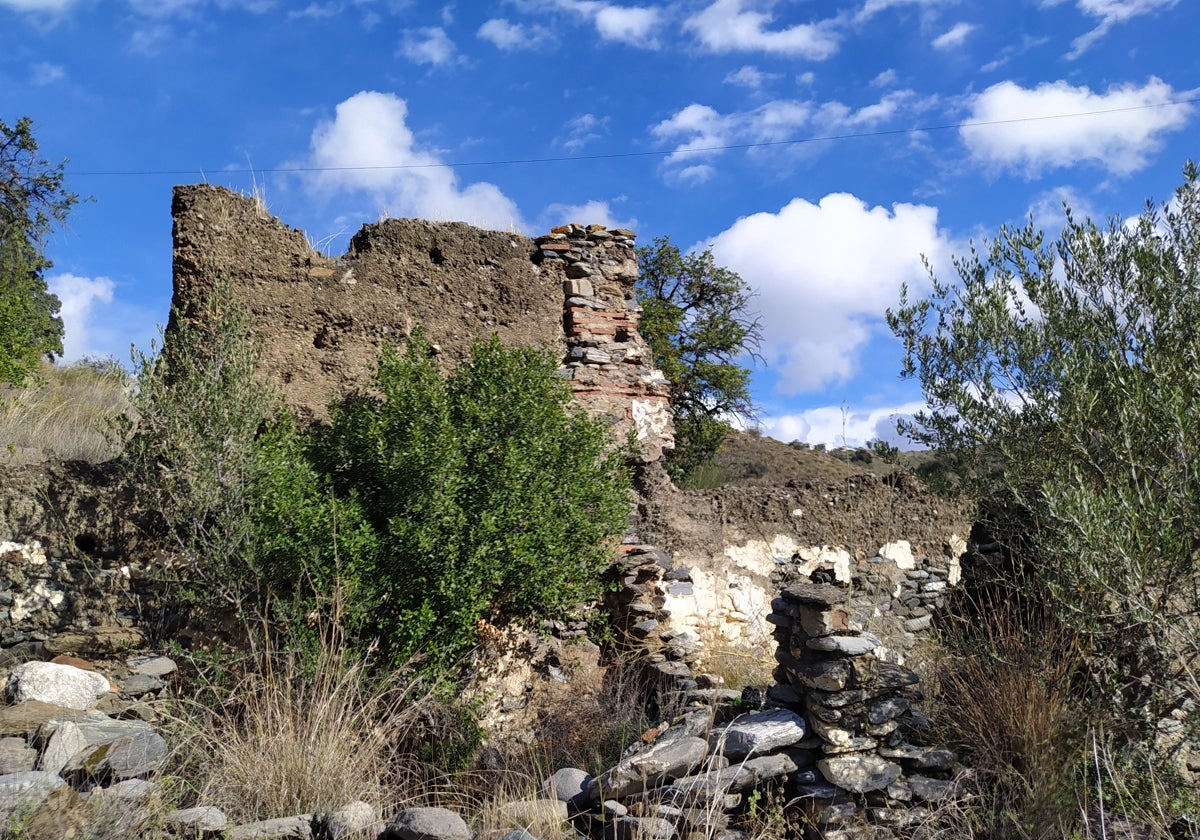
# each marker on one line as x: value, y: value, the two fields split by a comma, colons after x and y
x: 423, y: 511
x: 487, y: 495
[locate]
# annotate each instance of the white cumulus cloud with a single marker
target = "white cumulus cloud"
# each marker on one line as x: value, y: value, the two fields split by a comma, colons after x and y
x: 1059, y: 125
x: 509, y: 36
x: 835, y: 425
x: 700, y: 132
x: 429, y: 45
x: 727, y: 26
x: 955, y: 36
x: 589, y: 213
x: 636, y: 26
x: 369, y: 148
x: 825, y: 273
x: 79, y: 297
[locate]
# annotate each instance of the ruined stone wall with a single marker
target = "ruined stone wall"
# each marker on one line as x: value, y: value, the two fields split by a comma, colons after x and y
x: 893, y: 544
x: 323, y: 320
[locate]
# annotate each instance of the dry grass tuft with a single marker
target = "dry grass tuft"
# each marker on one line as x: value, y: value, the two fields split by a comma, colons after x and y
x: 1003, y: 699
x: 296, y: 735
x: 65, y: 412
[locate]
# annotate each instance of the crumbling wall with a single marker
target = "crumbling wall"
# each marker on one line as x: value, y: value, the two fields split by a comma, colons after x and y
x: 323, y: 320
x: 891, y: 541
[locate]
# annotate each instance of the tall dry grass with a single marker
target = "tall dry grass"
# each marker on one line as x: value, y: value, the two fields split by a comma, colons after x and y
x: 1004, y: 702
x: 64, y: 412
x: 284, y: 733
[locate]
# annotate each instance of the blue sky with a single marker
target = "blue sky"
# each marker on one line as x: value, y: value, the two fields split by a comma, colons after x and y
x: 820, y: 148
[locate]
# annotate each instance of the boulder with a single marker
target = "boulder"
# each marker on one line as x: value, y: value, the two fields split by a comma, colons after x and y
x: 124, y: 749
x: 60, y: 685
x: 203, y: 819
x: 26, y: 790
x: 758, y: 733
x: 427, y: 824
x: 658, y: 765
x: 566, y: 783
x: 283, y: 828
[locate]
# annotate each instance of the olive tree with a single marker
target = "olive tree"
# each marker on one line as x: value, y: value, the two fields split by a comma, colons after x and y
x: 1063, y: 381
x: 696, y: 318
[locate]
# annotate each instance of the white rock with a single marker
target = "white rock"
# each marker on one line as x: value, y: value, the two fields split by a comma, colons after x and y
x: 61, y: 685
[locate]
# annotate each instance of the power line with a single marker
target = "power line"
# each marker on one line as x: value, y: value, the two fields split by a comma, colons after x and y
x: 656, y: 153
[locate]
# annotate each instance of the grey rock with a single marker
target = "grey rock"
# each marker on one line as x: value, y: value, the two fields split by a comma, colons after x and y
x: 517, y: 834
x: 658, y: 765
x: 859, y: 772
x: 887, y: 709
x: 16, y: 756
x: 566, y: 783
x: 204, y: 818
x: 427, y: 824
x: 124, y: 749
x: 759, y: 732
x: 61, y: 685
x: 357, y: 816
x: 613, y: 809
x: 139, y: 684
x: 932, y: 790
x: 579, y: 270
x: 26, y: 789
x: 849, y: 645
x: 152, y: 666
x: 134, y: 789
x: 740, y: 776
x: 285, y: 828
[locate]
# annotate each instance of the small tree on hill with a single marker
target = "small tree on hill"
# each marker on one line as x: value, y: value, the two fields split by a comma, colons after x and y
x: 32, y: 201
x: 696, y: 319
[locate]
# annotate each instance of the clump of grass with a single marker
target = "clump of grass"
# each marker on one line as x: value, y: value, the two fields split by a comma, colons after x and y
x: 738, y: 667
x: 287, y: 733
x: 1003, y: 700
x: 65, y: 411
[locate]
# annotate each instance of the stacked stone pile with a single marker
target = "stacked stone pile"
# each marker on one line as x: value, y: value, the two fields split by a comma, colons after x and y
x: 862, y: 711
x: 898, y: 592
x: 607, y: 361
x: 646, y: 574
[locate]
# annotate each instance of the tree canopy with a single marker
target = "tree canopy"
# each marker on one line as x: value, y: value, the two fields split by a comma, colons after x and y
x: 1063, y: 381
x: 32, y: 201
x: 696, y: 318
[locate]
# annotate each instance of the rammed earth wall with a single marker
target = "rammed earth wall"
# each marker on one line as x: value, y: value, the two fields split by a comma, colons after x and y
x: 323, y: 320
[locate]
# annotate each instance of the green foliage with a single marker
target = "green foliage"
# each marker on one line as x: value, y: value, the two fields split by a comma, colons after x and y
x: 222, y: 468
x: 1063, y: 380
x: 695, y: 319
x: 489, y: 497
x: 418, y: 514
x: 32, y: 202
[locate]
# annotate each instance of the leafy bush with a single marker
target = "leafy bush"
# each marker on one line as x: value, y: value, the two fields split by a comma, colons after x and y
x: 423, y: 510
x: 488, y: 496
